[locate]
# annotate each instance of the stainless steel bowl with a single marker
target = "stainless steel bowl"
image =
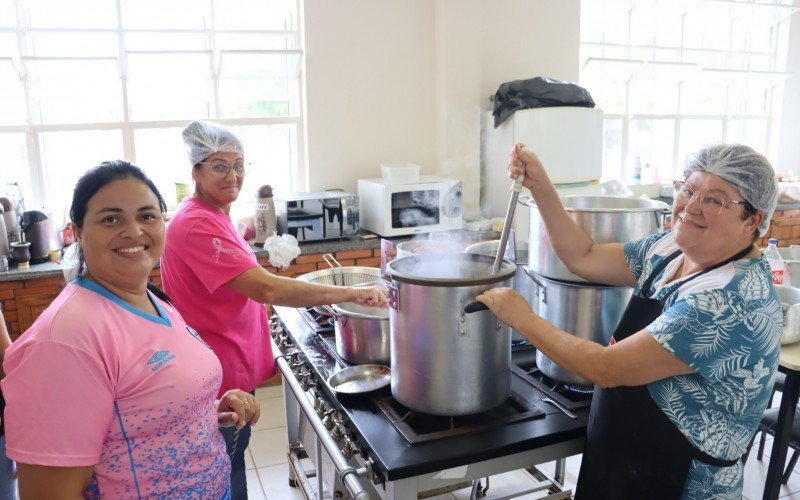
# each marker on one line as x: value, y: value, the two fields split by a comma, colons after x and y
x: 360, y: 379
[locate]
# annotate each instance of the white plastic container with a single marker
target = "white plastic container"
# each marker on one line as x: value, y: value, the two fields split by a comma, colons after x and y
x: 775, y: 261
x: 400, y: 173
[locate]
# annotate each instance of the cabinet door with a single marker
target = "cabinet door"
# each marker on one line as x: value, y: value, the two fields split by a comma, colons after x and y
x: 29, y: 307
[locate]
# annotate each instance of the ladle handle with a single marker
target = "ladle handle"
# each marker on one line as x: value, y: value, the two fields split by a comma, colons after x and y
x: 516, y: 187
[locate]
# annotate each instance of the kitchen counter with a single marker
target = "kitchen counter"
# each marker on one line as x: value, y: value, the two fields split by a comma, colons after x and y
x: 361, y: 242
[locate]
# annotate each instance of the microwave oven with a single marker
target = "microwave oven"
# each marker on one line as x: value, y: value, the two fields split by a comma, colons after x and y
x: 391, y: 209
x: 317, y: 216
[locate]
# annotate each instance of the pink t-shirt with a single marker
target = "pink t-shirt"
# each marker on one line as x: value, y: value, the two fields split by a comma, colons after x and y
x: 203, y: 253
x: 95, y: 381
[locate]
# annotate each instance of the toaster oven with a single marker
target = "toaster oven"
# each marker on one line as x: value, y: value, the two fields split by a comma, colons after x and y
x: 317, y: 216
x: 391, y: 209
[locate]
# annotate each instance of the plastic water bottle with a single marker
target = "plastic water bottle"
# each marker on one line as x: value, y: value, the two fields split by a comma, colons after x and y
x: 775, y: 261
x: 637, y: 171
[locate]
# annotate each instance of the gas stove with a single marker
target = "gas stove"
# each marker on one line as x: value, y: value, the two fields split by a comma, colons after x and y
x: 370, y: 443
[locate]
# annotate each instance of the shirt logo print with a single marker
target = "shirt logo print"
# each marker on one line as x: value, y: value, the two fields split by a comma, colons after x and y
x: 235, y: 253
x: 159, y: 359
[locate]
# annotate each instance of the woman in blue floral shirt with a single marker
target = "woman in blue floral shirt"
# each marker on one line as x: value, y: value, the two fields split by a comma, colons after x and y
x: 682, y: 385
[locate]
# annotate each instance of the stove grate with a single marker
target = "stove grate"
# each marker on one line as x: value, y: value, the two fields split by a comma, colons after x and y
x: 418, y: 427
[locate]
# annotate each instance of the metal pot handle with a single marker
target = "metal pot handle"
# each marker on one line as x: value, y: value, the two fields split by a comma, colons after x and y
x: 661, y: 217
x: 334, y: 264
x: 539, y: 284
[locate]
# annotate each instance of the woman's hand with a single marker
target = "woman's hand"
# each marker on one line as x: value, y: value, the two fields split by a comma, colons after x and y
x: 370, y: 296
x: 521, y: 160
x: 237, y: 408
x: 509, y: 306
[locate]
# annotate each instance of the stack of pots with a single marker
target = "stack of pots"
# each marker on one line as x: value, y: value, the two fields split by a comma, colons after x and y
x: 586, y: 310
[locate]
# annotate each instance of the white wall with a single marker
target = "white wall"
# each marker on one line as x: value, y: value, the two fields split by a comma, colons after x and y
x: 406, y: 81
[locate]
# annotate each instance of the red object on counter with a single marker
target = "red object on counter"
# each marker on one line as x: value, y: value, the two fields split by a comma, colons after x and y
x: 67, y: 236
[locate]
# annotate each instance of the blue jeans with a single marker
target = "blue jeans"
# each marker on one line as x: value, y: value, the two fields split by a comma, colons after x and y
x: 236, y: 443
x: 8, y: 485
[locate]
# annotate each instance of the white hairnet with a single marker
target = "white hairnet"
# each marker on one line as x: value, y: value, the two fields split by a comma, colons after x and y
x: 202, y: 139
x: 747, y: 170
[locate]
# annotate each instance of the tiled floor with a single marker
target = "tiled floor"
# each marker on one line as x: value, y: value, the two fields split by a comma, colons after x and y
x: 267, y: 471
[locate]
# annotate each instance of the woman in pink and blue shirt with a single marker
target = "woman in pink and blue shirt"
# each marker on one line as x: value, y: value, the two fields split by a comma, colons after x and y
x: 110, y: 394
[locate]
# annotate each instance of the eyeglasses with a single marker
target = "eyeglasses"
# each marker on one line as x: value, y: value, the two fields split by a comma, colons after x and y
x: 713, y: 202
x: 221, y: 168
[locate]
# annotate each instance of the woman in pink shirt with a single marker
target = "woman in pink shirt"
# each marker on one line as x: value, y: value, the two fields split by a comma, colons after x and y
x: 110, y: 394
x: 215, y: 280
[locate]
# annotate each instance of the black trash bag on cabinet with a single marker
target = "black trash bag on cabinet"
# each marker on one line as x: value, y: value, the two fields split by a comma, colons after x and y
x: 539, y: 92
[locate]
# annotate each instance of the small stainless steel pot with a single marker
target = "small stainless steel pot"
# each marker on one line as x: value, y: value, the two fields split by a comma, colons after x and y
x: 362, y: 333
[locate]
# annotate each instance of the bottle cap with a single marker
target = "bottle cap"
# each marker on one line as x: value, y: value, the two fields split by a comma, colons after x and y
x: 772, y: 241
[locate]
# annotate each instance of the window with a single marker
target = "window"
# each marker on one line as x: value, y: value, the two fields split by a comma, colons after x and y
x: 99, y: 80
x: 674, y: 75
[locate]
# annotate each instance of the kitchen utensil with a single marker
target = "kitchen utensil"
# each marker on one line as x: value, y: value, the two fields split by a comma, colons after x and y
x: 340, y: 276
x: 444, y: 361
x: 360, y: 379
x: 36, y: 228
x: 585, y: 310
x: 544, y: 397
x: 362, y: 332
x: 516, y: 187
x: 21, y: 253
x: 606, y: 219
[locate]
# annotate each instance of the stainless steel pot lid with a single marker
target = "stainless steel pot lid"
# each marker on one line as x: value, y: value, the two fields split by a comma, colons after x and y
x: 449, y: 269
x: 359, y: 379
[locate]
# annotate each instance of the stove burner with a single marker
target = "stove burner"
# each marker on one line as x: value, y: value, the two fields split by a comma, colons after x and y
x: 419, y: 427
x: 321, y: 323
x: 573, y: 397
x: 580, y: 389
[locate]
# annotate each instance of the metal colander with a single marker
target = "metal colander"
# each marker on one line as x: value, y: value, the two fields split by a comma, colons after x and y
x: 342, y: 276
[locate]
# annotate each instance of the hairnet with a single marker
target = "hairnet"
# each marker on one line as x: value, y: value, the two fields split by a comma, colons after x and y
x: 202, y: 139
x: 747, y: 170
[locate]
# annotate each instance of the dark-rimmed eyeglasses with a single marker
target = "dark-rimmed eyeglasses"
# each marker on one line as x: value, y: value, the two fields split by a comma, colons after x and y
x: 712, y: 202
x: 221, y: 168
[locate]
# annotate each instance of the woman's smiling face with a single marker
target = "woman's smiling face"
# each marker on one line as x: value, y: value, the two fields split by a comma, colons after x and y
x: 122, y: 236
x: 706, y: 229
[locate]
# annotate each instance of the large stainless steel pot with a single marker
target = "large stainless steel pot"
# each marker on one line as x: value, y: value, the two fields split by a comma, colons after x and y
x: 586, y: 311
x: 446, y: 361
x: 606, y: 219
x: 362, y: 333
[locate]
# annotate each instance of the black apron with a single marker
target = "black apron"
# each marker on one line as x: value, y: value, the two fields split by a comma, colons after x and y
x: 633, y: 451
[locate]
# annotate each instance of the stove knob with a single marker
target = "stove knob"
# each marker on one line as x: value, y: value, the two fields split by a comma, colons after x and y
x: 305, y: 380
x: 327, y: 421
x: 319, y: 404
x: 348, y: 447
x: 337, y: 434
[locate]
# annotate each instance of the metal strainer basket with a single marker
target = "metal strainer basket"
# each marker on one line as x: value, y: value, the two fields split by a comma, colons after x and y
x: 341, y: 276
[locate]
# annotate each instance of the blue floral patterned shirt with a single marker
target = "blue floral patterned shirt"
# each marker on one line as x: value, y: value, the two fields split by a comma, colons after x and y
x: 726, y: 324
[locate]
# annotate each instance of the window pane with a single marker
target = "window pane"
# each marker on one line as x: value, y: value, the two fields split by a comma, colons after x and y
x: 258, y: 85
x: 172, y: 14
x: 612, y: 149
x: 8, y: 14
x: 271, y: 152
x: 694, y: 134
x: 161, y: 42
x: 256, y: 41
x: 750, y: 132
x: 72, y: 44
x: 8, y: 45
x: 170, y: 86
x: 652, y: 141
x: 75, y: 90
x: 699, y: 98
x: 272, y: 15
x: 15, y: 158
x: 61, y: 14
x: 161, y: 155
x: 12, y: 105
x: 67, y: 155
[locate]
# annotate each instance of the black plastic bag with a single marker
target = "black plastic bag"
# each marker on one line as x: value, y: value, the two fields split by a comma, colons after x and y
x: 539, y: 92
